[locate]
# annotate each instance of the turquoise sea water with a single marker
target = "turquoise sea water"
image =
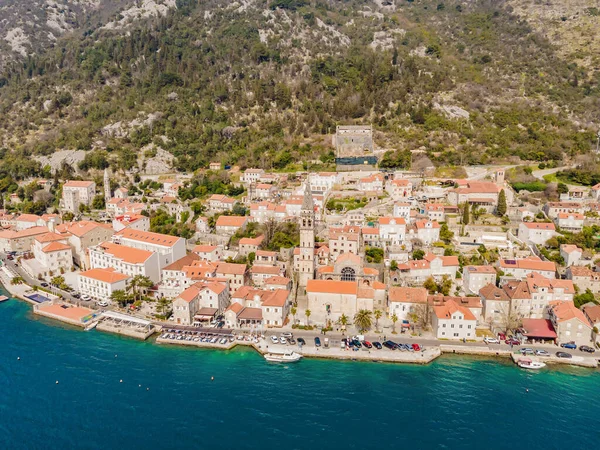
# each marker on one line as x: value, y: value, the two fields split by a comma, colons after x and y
x: 452, y: 403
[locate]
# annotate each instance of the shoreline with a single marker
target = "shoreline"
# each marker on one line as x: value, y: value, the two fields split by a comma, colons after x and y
x: 425, y: 357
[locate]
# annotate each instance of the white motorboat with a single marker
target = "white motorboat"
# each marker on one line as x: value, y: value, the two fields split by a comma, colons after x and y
x: 283, y: 357
x: 526, y: 363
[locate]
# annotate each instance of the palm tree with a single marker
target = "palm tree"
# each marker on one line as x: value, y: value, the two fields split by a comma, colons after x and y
x: 120, y: 296
x: 307, y: 313
x: 377, y: 313
x: 363, y: 320
x: 16, y: 280
x: 394, y: 320
x: 294, y: 311
x: 140, y: 281
x: 344, y: 320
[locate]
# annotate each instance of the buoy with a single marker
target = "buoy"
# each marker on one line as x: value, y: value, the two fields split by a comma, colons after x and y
x: 18, y: 358
x: 56, y: 381
x: 115, y: 356
x: 212, y: 378
x: 147, y: 389
x: 140, y: 385
x: 120, y: 381
x: 526, y: 390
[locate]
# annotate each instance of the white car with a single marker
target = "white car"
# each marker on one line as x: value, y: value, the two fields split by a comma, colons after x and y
x: 103, y: 303
x: 489, y: 340
x: 85, y: 297
x: 287, y: 335
x: 282, y: 340
x: 274, y: 340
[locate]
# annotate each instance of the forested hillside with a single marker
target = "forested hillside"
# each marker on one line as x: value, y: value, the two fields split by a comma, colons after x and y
x: 261, y: 83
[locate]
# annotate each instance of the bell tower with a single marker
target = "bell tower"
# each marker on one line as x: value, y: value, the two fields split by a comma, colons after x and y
x: 307, y: 238
x: 107, y: 195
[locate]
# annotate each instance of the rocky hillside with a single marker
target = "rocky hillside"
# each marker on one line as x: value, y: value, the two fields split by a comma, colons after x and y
x: 260, y: 82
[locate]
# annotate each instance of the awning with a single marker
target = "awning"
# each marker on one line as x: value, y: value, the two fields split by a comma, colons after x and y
x: 205, y: 313
x: 538, y: 328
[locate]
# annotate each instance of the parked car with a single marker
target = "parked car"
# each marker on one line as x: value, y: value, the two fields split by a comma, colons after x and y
x: 367, y: 344
x: 10, y: 257
x: 317, y: 342
x: 377, y: 345
x: 489, y: 340
x: 287, y: 335
x: 513, y: 341
x: 527, y: 351
x: 570, y: 345
x: 301, y: 341
x: 282, y: 340
x: 502, y: 336
x: 356, y: 343
x: 564, y: 355
x: 103, y: 303
x: 416, y: 347
x: 274, y: 340
x: 541, y: 353
x: 587, y: 349
x: 390, y: 344
x: 85, y: 297
x: 44, y: 284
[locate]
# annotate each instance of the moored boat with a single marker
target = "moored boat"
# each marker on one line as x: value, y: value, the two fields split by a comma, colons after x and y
x: 526, y: 363
x: 283, y: 357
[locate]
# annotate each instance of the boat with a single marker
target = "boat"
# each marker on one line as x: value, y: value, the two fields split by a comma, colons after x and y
x: 283, y: 357
x: 3, y: 298
x: 526, y: 363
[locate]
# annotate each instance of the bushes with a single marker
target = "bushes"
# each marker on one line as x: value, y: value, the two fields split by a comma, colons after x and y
x: 532, y: 186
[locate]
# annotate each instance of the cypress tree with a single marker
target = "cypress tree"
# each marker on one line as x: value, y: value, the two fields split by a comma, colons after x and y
x: 466, y: 214
x: 501, y: 203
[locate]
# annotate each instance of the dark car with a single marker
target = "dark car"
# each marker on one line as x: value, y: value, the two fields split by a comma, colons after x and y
x: 292, y: 341
x: 570, y: 345
x: 564, y: 355
x: 513, y: 341
x: 377, y: 345
x: 390, y: 344
x: 220, y: 324
x: 76, y: 295
x: 10, y: 257
x: 367, y: 344
x: 587, y: 349
x: 301, y: 341
x: 44, y: 284
x: 356, y: 343
x: 317, y: 342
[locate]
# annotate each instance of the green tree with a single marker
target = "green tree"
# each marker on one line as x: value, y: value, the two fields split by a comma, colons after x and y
x: 120, y: 297
x: 394, y: 265
x: 307, y: 313
x: 394, y: 320
x: 343, y: 320
x: 466, y: 217
x: 251, y: 258
x: 446, y: 235
x: 377, y: 313
x: 430, y: 285
x: 363, y: 320
x: 374, y: 254
x: 501, y: 209
x: 583, y: 298
x: 562, y: 188
x: 98, y: 202
x: 138, y: 283
x: 418, y: 254
x: 294, y: 310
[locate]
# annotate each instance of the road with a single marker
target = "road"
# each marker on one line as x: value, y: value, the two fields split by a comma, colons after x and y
x: 335, y: 338
x: 11, y: 264
x: 540, y: 174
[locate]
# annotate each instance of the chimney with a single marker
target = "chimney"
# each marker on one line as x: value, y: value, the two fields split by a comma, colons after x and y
x: 51, y: 224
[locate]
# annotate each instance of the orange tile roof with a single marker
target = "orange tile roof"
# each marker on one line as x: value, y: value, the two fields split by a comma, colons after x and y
x: 276, y: 298
x: 450, y: 307
x: 531, y: 263
x: 108, y: 275
x: 564, y: 311
x: 388, y: 220
x: 50, y: 237
x: 55, y: 247
x: 72, y: 312
x: 191, y: 293
x: 80, y: 229
x: 231, y: 268
x: 231, y: 221
x: 539, y: 226
x: 575, y: 216
x: 407, y: 295
x: 252, y: 241
x: 278, y: 280
x: 569, y: 248
x: 332, y: 287
x: 149, y: 237
x: 258, y: 269
x: 28, y: 218
x: 235, y: 307
x: 480, y: 269
x: 182, y: 262
x: 30, y: 232
x: 125, y: 253
x: 78, y: 184
x: 205, y: 248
